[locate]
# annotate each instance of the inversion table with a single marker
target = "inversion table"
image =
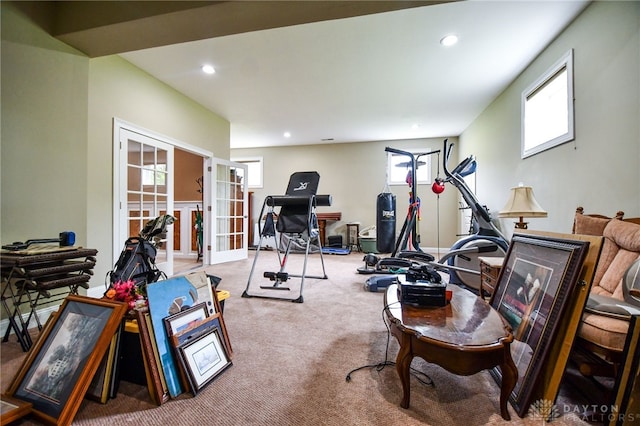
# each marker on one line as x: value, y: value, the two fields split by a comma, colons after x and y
x: 296, y: 218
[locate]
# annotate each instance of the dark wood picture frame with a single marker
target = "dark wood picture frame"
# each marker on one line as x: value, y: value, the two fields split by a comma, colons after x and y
x: 203, y: 358
x: 156, y: 385
x: 104, y: 382
x: 533, y: 292
x: 215, y: 320
x: 57, y: 371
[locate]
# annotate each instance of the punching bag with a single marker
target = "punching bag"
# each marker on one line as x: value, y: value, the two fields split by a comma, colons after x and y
x: 386, y: 222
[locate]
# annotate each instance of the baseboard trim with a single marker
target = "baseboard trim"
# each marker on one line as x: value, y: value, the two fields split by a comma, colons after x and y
x: 45, y: 313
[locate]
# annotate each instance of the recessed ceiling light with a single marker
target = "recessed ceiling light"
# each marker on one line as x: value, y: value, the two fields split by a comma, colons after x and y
x: 449, y: 40
x: 287, y: 134
x: 208, y: 69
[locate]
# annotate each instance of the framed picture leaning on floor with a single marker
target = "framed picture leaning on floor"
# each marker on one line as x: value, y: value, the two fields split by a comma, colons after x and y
x: 55, y: 375
x: 534, y: 289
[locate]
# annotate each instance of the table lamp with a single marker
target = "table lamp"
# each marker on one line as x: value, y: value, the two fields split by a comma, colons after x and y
x: 522, y: 204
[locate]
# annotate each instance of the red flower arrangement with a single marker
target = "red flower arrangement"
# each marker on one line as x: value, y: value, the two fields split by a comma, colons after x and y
x: 127, y: 291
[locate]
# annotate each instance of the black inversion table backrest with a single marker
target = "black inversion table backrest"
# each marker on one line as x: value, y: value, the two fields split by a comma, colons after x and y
x: 303, y: 183
x: 294, y: 217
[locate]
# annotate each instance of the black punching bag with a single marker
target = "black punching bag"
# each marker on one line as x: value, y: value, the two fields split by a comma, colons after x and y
x: 386, y: 222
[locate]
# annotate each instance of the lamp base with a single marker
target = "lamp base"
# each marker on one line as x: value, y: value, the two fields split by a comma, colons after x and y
x: 521, y: 224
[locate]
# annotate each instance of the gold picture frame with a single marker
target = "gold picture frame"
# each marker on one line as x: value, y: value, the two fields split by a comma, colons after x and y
x: 57, y: 371
x: 13, y: 409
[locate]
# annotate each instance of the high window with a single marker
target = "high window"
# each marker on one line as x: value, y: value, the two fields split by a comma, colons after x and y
x: 547, y: 108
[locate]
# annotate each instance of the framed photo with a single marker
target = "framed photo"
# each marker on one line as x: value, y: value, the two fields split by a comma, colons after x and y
x: 13, y: 409
x: 203, y: 358
x: 552, y: 374
x: 186, y: 319
x: 533, y: 292
x: 57, y: 371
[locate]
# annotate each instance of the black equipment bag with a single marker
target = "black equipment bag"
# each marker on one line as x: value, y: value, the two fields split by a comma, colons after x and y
x: 136, y: 263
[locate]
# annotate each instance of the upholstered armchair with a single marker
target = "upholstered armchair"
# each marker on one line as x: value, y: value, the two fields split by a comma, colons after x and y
x: 614, y: 291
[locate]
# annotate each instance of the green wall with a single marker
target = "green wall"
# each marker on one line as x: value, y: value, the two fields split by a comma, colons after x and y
x: 354, y: 174
x: 44, y: 133
x: 599, y: 169
x: 58, y: 108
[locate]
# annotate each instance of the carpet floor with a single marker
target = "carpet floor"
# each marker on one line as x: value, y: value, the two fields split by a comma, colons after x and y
x: 291, y: 361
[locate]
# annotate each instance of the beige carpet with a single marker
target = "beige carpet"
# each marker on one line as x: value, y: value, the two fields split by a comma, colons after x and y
x: 291, y: 361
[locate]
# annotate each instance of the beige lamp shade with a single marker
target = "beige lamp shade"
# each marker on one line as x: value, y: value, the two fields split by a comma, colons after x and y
x: 522, y: 204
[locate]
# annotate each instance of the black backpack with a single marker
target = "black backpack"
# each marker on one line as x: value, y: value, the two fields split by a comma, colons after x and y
x: 136, y: 263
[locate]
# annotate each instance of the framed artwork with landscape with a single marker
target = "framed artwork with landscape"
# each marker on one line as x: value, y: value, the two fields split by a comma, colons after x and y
x: 532, y: 294
x: 57, y: 371
x: 203, y: 358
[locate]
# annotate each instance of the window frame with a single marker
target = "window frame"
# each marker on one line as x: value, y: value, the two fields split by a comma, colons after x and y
x: 246, y: 161
x: 422, y: 178
x: 564, y: 63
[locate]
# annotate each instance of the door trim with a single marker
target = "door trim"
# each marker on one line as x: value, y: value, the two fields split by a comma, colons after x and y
x: 118, y: 125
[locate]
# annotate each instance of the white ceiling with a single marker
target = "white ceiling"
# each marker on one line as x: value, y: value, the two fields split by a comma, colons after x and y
x: 365, y: 78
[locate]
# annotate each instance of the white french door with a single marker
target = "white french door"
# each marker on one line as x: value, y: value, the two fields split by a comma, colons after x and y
x: 228, y: 221
x: 144, y: 189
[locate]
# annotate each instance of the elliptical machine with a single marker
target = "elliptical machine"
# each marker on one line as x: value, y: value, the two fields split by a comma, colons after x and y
x: 462, y: 261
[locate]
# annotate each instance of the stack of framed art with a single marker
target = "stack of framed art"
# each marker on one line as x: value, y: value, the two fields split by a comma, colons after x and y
x: 200, y: 344
x: 184, y: 340
x: 184, y: 345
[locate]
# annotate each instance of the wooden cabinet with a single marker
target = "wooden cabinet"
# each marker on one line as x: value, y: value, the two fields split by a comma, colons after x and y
x: 489, y: 272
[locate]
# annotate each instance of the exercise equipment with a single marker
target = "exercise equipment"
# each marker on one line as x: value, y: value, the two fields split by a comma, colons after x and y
x: 461, y: 263
x: 410, y: 226
x: 297, y: 220
x: 462, y: 260
x: 408, y: 237
x: 385, y: 222
x: 336, y: 250
x: 65, y: 239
